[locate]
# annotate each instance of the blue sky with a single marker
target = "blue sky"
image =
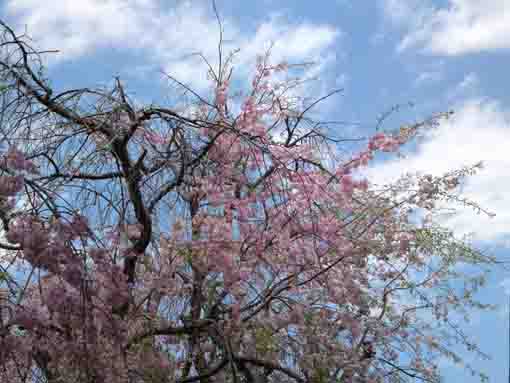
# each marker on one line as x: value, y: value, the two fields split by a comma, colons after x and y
x: 439, y: 55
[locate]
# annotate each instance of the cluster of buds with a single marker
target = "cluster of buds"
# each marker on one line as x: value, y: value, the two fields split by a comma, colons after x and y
x: 385, y: 143
x: 14, y: 159
x: 11, y: 185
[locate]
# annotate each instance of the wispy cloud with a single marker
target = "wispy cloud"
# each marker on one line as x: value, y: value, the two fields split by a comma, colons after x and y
x: 428, y: 77
x: 167, y: 38
x: 459, y: 27
x: 468, y: 86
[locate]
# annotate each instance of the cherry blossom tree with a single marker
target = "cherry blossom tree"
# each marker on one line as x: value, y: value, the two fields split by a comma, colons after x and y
x: 227, y: 241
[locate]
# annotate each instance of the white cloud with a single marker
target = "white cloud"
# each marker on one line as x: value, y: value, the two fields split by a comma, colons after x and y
x: 167, y: 37
x: 290, y: 42
x: 461, y: 27
x: 77, y: 27
x: 479, y: 131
